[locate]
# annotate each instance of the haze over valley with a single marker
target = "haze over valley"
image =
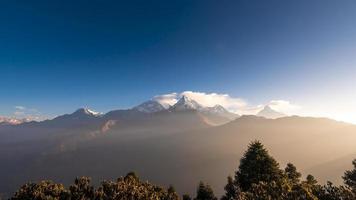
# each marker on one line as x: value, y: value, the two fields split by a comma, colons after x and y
x: 156, y: 140
x: 177, y: 100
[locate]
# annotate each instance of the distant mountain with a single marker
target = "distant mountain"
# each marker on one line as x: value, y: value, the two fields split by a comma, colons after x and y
x: 186, y: 103
x: 220, y: 111
x: 12, y: 121
x: 155, y: 144
x: 215, y: 115
x: 81, y: 114
x: 269, y: 113
x: 150, y: 106
x: 82, y: 118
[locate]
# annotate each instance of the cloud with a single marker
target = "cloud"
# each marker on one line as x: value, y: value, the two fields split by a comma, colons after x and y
x: 166, y: 99
x: 212, y: 99
x: 283, y: 106
x: 233, y: 104
x: 22, y: 112
x: 20, y: 107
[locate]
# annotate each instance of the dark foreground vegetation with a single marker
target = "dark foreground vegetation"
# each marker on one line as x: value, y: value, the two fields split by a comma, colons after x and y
x: 258, y: 177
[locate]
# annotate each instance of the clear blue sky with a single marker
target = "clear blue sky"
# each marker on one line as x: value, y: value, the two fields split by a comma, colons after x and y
x: 56, y: 56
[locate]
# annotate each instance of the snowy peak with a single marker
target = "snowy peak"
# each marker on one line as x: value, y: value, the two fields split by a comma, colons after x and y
x: 12, y: 121
x: 186, y: 103
x: 220, y: 111
x: 86, y: 111
x: 269, y: 113
x: 217, y: 109
x: 150, y: 106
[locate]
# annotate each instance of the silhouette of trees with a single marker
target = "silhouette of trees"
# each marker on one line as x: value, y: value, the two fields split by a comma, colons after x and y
x: 350, y: 177
x: 257, y: 166
x: 186, y: 197
x: 125, y: 188
x: 292, y: 174
x: 232, y: 190
x: 258, y: 177
x: 41, y: 191
x: 204, y: 192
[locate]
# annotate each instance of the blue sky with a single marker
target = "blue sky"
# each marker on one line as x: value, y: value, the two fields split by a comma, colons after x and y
x: 56, y: 56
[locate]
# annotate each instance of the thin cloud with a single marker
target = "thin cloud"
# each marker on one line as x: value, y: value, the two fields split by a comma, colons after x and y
x: 283, y: 106
x: 22, y: 112
x: 233, y: 104
x: 20, y: 107
x: 166, y: 99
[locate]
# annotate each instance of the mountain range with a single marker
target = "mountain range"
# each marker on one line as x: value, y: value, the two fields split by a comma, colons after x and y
x: 12, y: 121
x: 215, y: 115
x: 178, y: 144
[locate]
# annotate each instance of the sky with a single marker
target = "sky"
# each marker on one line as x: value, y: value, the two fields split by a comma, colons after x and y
x: 57, y: 56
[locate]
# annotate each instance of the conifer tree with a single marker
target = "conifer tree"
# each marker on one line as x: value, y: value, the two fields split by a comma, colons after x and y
x: 186, y: 197
x: 204, y: 192
x: 257, y: 166
x: 292, y: 174
x: 232, y: 190
x: 350, y: 177
x: 310, y: 180
x: 82, y: 189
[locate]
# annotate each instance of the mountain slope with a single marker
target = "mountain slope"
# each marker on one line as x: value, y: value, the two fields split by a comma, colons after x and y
x: 150, y: 106
x: 209, y: 152
x: 186, y: 103
x: 269, y: 113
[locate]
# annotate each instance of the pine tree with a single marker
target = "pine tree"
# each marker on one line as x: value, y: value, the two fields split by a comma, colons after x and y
x: 310, y: 180
x: 42, y: 190
x: 292, y: 174
x: 186, y: 197
x: 232, y: 190
x: 257, y: 166
x: 172, y: 194
x: 82, y: 189
x: 204, y: 192
x: 350, y: 177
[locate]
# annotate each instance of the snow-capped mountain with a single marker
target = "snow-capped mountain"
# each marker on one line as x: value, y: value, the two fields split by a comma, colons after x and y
x: 12, y: 121
x: 219, y: 111
x: 186, y: 103
x: 150, y: 106
x: 82, y: 114
x: 216, y: 114
x: 269, y: 113
x: 86, y: 112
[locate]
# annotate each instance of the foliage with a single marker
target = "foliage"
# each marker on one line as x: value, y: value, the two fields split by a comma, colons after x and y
x: 204, y: 192
x: 44, y: 190
x: 232, y: 190
x: 186, y: 197
x: 256, y: 166
x: 257, y: 178
x: 292, y: 174
x: 350, y: 177
x: 125, y: 188
x: 260, y: 178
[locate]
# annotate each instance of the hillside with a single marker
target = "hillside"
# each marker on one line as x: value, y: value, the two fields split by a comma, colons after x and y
x: 189, y: 153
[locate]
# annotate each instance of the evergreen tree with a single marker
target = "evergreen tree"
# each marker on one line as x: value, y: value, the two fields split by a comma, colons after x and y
x: 41, y: 191
x: 204, y: 192
x: 255, y: 166
x: 172, y: 194
x: 310, y: 180
x: 232, y: 190
x: 292, y: 174
x: 186, y: 197
x: 350, y: 177
x: 331, y: 192
x: 82, y: 189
